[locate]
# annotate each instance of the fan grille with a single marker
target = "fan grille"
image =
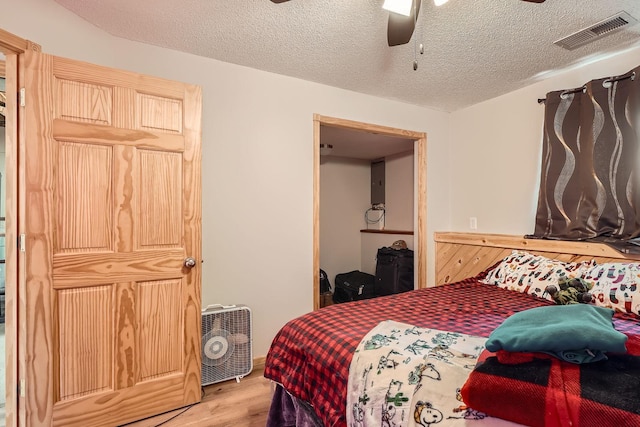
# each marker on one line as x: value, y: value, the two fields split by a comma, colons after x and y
x: 226, y: 344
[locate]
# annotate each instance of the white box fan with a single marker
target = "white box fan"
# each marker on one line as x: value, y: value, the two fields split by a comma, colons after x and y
x: 226, y: 343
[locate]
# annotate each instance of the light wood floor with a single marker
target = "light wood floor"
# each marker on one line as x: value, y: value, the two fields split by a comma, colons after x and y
x: 225, y: 404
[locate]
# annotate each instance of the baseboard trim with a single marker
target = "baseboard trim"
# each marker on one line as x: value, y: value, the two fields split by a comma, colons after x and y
x: 258, y: 362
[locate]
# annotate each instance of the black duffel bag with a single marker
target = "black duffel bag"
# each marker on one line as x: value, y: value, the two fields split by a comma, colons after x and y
x: 353, y: 286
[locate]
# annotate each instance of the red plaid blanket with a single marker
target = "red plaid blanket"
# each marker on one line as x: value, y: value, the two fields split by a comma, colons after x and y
x: 310, y: 355
x: 539, y: 390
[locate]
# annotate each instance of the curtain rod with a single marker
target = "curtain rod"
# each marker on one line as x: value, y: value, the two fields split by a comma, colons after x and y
x: 606, y: 83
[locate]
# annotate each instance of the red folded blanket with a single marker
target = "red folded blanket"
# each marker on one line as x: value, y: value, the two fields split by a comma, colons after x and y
x: 536, y: 389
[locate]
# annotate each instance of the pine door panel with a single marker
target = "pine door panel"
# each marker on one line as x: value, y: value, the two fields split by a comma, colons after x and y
x: 112, y: 201
x: 84, y: 189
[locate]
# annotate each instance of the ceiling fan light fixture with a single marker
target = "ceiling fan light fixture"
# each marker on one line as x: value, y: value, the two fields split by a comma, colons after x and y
x: 402, y: 7
x: 439, y: 2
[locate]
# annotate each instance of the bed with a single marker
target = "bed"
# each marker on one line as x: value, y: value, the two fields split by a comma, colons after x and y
x: 323, y: 378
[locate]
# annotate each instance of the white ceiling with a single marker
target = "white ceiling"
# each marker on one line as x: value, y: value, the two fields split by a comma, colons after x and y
x: 356, y: 144
x: 474, y: 50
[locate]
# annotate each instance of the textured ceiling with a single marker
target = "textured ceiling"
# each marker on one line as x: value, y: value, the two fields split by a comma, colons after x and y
x: 473, y: 49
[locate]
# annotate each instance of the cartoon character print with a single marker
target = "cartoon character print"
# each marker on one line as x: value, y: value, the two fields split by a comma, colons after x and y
x: 377, y: 341
x: 413, y: 331
x: 418, y: 346
x: 441, y: 353
x: 358, y: 410
x: 425, y: 414
x: 459, y: 399
x: 387, y: 416
x: 386, y: 362
x: 445, y: 339
x: 363, y: 399
x: 466, y: 412
x: 393, y: 400
x: 424, y: 370
x: 471, y: 358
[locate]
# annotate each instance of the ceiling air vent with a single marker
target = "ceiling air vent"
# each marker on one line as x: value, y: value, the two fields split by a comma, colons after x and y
x: 596, y: 31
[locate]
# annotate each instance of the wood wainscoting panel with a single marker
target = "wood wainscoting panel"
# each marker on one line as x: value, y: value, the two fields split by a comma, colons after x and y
x: 455, y: 262
x: 462, y: 255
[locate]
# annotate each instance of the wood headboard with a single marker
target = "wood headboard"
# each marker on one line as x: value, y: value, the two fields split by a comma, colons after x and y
x: 462, y: 255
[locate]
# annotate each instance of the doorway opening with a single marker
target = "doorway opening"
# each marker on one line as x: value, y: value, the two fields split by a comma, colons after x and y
x: 417, y: 141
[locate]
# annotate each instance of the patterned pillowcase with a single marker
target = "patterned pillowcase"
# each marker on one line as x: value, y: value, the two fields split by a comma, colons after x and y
x: 616, y: 285
x: 531, y: 274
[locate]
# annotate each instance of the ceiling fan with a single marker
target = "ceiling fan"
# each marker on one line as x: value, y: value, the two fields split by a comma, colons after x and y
x: 401, y: 25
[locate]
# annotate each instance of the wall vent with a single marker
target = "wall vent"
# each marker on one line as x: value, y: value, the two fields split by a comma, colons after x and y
x: 596, y: 31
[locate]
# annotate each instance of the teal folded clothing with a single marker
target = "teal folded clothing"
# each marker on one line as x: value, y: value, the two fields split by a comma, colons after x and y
x: 579, y: 356
x: 559, y: 328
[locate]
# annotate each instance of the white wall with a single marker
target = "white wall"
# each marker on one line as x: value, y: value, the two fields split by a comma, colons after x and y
x: 257, y: 159
x: 496, y: 148
x: 399, y: 191
x: 345, y: 194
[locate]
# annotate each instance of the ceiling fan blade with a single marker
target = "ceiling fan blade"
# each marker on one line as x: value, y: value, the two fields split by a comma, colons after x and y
x: 400, y: 28
x: 282, y: 1
x: 534, y: 1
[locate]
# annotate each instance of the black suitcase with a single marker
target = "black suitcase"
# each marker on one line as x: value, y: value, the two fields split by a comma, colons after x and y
x: 394, y: 271
x: 353, y: 286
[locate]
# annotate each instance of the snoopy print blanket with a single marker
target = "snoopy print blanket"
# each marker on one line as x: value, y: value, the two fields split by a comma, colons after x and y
x: 405, y: 376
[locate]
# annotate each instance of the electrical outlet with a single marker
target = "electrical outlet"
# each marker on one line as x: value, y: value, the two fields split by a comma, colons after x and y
x: 473, y: 223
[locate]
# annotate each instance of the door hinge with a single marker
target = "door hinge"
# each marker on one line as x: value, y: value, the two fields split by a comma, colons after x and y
x: 22, y: 242
x: 23, y: 102
x: 21, y: 388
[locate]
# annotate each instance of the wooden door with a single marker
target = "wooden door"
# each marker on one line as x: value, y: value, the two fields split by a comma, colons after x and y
x: 111, y: 199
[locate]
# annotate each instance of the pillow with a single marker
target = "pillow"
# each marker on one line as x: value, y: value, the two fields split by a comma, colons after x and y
x: 616, y: 285
x: 558, y: 328
x: 531, y: 274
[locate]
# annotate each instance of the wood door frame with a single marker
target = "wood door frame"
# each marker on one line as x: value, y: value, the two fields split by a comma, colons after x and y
x: 420, y: 186
x: 13, y: 48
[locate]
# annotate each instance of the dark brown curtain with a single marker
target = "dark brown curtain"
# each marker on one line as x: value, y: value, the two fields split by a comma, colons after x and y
x: 590, y: 177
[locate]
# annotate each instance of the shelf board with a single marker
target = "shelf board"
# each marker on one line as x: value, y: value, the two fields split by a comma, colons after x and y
x: 407, y: 232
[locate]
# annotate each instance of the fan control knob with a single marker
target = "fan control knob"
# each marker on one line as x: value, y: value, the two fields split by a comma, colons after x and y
x: 189, y: 262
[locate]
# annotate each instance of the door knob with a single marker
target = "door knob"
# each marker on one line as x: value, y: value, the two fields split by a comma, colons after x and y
x: 189, y: 262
